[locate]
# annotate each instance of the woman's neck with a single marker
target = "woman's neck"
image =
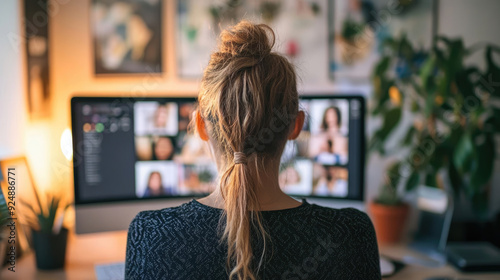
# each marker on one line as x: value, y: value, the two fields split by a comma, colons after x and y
x: 269, y: 193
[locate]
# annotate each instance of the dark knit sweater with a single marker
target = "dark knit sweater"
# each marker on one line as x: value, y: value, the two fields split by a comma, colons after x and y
x: 306, y: 242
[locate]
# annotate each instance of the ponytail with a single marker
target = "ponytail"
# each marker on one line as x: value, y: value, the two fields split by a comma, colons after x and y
x: 240, y: 204
x: 242, y: 88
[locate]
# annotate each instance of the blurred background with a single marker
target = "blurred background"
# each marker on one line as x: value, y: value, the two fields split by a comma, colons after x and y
x: 429, y: 71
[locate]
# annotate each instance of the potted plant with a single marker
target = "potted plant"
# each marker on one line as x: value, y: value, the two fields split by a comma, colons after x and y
x: 388, y: 210
x: 49, y: 237
x: 355, y: 44
x: 4, y: 219
x: 449, y: 115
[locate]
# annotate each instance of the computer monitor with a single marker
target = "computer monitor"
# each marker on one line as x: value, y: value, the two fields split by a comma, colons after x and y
x: 134, y: 154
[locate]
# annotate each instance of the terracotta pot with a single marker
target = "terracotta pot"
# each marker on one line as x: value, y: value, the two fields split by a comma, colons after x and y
x: 389, y: 221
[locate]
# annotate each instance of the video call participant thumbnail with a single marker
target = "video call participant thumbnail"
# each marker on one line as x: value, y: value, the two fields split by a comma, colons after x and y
x: 154, y: 118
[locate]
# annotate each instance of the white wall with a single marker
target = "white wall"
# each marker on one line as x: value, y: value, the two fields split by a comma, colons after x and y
x: 12, y: 100
x: 474, y: 21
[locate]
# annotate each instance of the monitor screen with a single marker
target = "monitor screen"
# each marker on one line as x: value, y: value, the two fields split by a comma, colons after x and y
x: 139, y: 149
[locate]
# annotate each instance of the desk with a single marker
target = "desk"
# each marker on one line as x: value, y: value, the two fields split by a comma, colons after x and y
x: 413, y: 272
x: 84, y: 251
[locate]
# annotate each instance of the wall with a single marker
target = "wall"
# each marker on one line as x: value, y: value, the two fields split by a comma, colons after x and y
x: 73, y: 72
x: 12, y: 106
x: 474, y: 21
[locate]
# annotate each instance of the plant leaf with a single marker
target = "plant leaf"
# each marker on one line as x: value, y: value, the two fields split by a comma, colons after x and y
x: 431, y: 179
x: 388, y: 194
x: 491, y: 79
x: 429, y: 103
x: 393, y: 174
x: 412, y: 181
x: 382, y: 66
x: 455, y: 178
x: 426, y: 71
x: 485, y: 159
x: 407, y: 140
x: 29, y: 206
x: 382, y: 95
x: 462, y: 155
x: 4, y: 209
x: 391, y: 119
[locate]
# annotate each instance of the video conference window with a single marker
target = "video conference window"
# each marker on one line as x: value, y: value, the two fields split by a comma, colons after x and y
x: 145, y: 149
x: 171, y: 160
x: 316, y: 163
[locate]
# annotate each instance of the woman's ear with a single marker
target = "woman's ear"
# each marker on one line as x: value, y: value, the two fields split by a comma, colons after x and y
x: 299, y: 123
x: 200, y: 127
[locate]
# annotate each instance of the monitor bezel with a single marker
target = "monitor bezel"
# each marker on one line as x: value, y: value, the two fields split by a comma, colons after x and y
x: 97, y: 99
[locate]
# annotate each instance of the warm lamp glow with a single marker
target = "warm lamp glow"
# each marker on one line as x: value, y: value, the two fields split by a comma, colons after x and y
x: 66, y: 144
x: 38, y: 151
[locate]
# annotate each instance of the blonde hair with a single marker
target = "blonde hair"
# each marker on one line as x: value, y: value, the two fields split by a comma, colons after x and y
x: 249, y: 100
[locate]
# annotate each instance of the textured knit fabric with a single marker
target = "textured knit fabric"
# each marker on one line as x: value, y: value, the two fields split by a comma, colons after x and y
x: 306, y: 242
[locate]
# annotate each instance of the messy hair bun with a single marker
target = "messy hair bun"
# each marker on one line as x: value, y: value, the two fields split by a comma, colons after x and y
x: 247, y: 39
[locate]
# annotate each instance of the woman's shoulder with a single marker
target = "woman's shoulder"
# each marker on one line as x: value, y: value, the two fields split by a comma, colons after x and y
x: 351, y: 227
x: 346, y: 217
x: 351, y: 235
x: 345, y: 212
x: 165, y: 216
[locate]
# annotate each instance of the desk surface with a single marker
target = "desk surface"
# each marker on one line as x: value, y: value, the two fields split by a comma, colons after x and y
x: 84, y: 251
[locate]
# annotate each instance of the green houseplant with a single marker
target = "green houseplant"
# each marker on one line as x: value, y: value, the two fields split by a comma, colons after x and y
x: 4, y: 211
x: 49, y: 237
x: 4, y: 219
x: 353, y: 44
x: 446, y: 113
